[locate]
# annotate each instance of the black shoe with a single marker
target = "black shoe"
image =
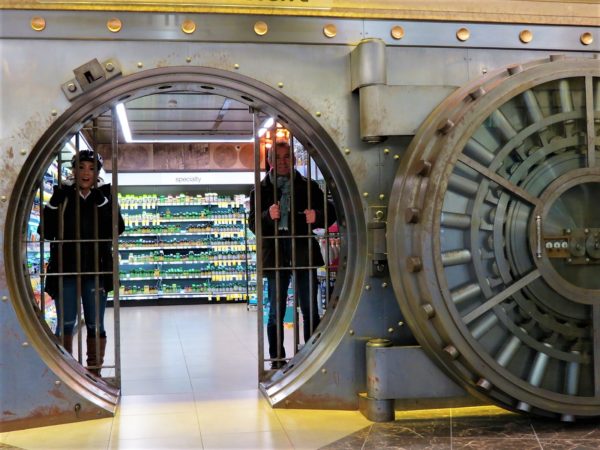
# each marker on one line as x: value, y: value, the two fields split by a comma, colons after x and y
x: 276, y: 365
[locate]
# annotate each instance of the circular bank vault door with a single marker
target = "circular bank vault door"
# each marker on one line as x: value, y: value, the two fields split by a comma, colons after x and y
x: 495, y: 237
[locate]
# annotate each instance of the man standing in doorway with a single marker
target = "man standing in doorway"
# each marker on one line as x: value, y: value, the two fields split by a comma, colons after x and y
x: 287, y: 211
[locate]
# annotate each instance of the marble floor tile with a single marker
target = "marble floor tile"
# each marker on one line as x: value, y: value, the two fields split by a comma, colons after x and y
x: 480, y: 443
x: 570, y: 444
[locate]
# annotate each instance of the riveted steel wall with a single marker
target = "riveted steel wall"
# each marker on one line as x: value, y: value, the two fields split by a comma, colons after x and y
x: 307, y: 67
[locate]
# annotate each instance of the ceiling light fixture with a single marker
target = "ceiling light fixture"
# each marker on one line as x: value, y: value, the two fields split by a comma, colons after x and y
x: 122, y: 115
x: 268, y: 123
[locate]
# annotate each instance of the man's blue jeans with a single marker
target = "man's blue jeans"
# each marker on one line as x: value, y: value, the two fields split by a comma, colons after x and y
x: 303, y: 296
x: 68, y: 314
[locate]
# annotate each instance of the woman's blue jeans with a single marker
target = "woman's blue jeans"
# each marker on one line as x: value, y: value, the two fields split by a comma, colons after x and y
x: 68, y: 314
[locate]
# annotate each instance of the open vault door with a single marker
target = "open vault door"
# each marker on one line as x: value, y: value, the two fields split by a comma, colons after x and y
x: 494, y: 238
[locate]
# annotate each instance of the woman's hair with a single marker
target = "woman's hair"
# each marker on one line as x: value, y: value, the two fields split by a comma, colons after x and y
x: 87, y: 155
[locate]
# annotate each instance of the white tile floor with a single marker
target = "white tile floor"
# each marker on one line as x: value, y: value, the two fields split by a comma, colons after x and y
x: 189, y: 381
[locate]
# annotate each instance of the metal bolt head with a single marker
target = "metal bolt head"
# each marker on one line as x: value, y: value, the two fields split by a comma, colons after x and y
x: 351, y: 332
x: 25, y: 344
x: 400, y: 324
x: 3, y: 198
x: 386, y: 151
x: 586, y: 230
x: 71, y: 87
x: 367, y: 287
x: 280, y: 84
x: 390, y: 330
x: 4, y: 298
x: 23, y: 151
x: 365, y: 194
x: 109, y: 67
x: 188, y: 59
x: 381, y: 196
x: 323, y: 370
x: 568, y: 231
x: 140, y: 64
x: 57, y: 383
x: 236, y: 66
x: 318, y: 114
x: 54, y: 112
x: 384, y: 285
x: 347, y: 151
x: 396, y: 156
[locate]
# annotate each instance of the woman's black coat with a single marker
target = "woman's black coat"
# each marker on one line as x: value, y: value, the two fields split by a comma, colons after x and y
x: 68, y: 211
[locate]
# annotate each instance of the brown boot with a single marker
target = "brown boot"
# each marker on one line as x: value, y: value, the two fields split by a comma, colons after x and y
x: 93, y: 359
x: 68, y: 343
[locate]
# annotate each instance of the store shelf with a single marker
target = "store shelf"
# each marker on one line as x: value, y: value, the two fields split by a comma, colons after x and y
x: 220, y: 240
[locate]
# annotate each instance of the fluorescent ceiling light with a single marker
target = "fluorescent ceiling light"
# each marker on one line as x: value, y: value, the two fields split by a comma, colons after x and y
x: 268, y: 123
x: 122, y: 115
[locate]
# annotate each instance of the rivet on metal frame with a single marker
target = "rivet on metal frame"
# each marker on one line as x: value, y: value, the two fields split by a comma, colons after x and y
x: 4, y: 298
x: 397, y: 32
x: 386, y: 151
x: 479, y: 92
x: 330, y: 30
x: 423, y: 167
x: 188, y: 59
x: 586, y: 38
x: 365, y: 194
x: 71, y: 87
x: 513, y: 70
x: 484, y: 384
x: 38, y: 23
x: 109, y: 66
x: 318, y: 114
x: 236, y: 66
x: 25, y: 344
x: 429, y: 310
x: 368, y: 287
x: 381, y: 196
x: 445, y: 126
x: 384, y: 285
x: 526, y: 36
x: 23, y: 151
x: 463, y: 34
x: 452, y: 351
x: 280, y: 84
x: 390, y: 330
x: 323, y: 370
x: 261, y: 28
x: 188, y: 26
x: 347, y: 151
x: 140, y: 64
x: 54, y: 112
x: 3, y: 198
x: 412, y: 215
x: 114, y: 25
x: 414, y: 264
x: 351, y: 332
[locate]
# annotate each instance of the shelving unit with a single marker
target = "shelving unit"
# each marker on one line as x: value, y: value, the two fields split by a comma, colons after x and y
x: 186, y: 248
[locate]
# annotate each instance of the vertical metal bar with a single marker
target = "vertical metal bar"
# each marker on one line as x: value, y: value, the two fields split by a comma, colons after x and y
x: 292, y: 218
x: 78, y: 320
x: 247, y: 271
x: 327, y: 245
x: 589, y: 114
x: 311, y: 271
x: 96, y: 269
x: 596, y: 347
x: 115, y: 243
x: 61, y: 237
x: 259, y: 246
x: 41, y: 251
x: 278, y: 312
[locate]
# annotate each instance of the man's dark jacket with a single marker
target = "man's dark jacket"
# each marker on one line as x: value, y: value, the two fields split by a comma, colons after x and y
x: 68, y: 210
x: 296, y: 214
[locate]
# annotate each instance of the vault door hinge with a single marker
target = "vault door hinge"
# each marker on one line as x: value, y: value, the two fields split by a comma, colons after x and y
x: 89, y: 76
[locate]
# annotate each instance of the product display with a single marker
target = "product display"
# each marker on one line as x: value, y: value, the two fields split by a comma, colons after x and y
x: 186, y: 246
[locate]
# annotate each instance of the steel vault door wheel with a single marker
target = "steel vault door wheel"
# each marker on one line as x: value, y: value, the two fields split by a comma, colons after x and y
x: 494, y: 240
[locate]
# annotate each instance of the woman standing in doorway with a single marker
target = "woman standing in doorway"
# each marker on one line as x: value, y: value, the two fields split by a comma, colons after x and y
x: 83, y: 199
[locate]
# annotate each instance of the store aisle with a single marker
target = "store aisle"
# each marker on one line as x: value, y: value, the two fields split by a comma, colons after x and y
x: 190, y: 382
